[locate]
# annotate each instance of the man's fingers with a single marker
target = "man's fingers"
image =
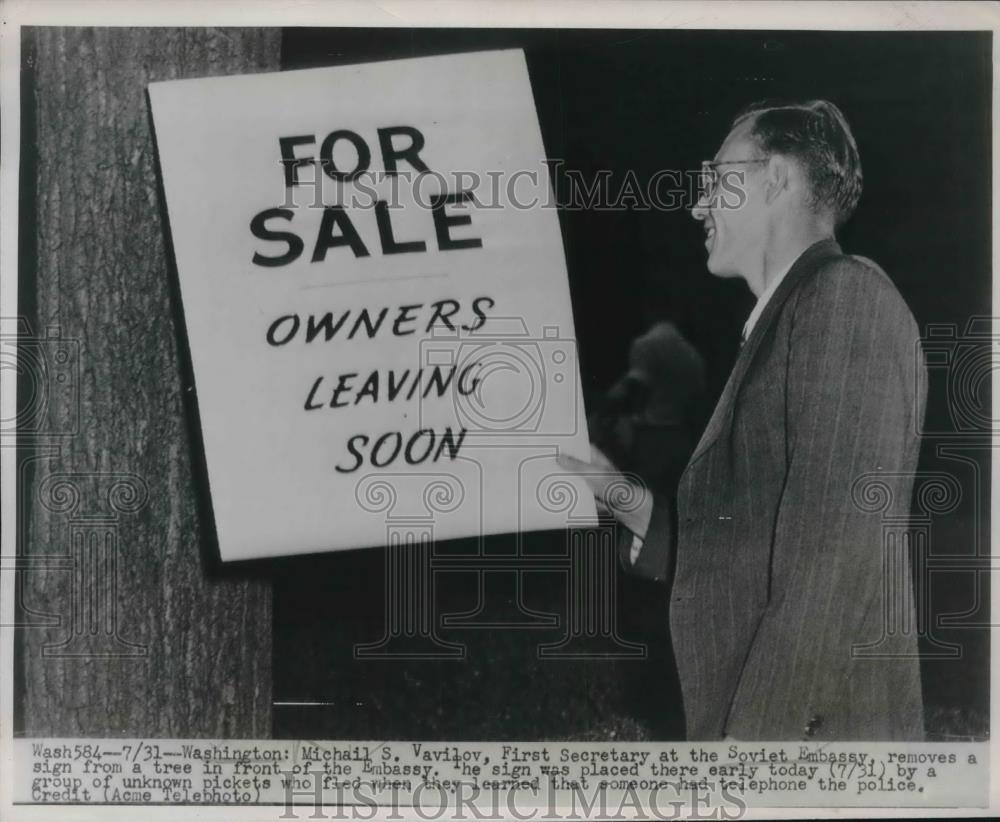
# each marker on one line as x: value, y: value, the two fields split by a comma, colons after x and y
x: 599, y: 478
x: 633, y: 517
x: 578, y: 466
x: 602, y: 507
x: 600, y: 459
x: 572, y: 464
x: 598, y: 484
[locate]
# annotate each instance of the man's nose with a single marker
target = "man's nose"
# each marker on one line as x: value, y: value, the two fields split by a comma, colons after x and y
x: 700, y: 210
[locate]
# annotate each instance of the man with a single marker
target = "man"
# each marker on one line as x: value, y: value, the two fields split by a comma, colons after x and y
x: 649, y: 421
x: 779, y: 573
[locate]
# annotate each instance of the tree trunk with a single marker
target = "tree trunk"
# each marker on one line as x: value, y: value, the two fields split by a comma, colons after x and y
x: 144, y: 636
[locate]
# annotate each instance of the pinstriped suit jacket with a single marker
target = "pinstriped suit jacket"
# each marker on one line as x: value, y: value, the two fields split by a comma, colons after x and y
x: 779, y: 574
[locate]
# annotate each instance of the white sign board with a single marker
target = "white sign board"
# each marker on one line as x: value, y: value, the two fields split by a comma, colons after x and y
x: 376, y: 303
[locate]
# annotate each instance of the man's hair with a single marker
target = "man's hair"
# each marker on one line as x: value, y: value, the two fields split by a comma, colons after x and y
x: 816, y: 134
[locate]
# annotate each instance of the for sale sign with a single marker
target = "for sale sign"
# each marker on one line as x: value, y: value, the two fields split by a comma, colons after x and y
x: 376, y: 302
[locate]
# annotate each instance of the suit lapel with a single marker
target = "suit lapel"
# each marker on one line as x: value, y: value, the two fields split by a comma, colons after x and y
x: 808, y: 261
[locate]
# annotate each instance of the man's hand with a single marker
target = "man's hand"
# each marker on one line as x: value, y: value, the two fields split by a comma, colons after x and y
x: 623, y: 497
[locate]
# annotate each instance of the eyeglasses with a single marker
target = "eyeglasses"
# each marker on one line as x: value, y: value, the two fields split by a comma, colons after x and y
x: 708, y: 181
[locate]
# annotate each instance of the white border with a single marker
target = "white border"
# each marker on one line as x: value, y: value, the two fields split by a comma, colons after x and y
x: 676, y: 14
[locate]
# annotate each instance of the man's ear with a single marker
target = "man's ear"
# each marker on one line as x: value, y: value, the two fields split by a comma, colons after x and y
x: 778, y: 179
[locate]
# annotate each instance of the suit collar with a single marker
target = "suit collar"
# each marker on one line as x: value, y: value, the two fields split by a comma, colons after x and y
x: 808, y: 261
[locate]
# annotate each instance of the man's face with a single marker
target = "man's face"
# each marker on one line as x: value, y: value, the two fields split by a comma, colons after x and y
x: 735, y: 223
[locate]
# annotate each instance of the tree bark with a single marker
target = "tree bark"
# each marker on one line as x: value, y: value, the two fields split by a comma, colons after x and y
x: 135, y: 632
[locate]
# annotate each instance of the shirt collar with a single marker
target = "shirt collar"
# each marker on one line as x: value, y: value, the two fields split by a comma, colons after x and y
x: 768, y: 292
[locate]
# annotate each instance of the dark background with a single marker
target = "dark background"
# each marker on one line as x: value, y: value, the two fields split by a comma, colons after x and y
x: 919, y: 105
